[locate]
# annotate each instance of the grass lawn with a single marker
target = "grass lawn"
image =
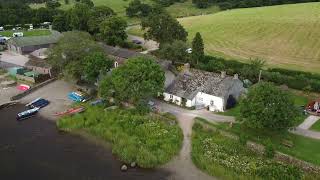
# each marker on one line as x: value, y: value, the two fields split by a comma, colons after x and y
x: 316, y: 126
x: 149, y: 140
x: 227, y: 158
x: 27, y: 33
x: 286, y: 36
x: 136, y: 31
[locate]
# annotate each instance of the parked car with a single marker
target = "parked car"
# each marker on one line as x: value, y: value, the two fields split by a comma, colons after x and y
x: 1, y: 28
x: 17, y: 34
x: 136, y: 41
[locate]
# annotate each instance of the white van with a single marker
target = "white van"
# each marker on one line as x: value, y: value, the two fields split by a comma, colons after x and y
x: 31, y: 27
x: 1, y: 28
x: 17, y: 34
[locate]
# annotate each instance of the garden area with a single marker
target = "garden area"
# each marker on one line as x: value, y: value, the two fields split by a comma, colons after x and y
x: 149, y: 140
x: 224, y: 157
x: 303, y: 148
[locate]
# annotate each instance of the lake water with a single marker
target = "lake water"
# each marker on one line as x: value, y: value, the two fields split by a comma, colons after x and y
x: 35, y: 149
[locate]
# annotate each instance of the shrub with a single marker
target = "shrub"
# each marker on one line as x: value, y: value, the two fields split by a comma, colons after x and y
x: 269, y: 151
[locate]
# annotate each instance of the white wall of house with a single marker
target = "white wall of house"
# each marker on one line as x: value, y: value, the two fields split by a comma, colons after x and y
x: 172, y: 98
x: 213, y: 102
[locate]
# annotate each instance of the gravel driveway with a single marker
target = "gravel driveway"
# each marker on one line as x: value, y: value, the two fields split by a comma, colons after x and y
x: 182, y: 166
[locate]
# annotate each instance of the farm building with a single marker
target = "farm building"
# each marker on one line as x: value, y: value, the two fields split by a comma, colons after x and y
x: 24, y: 45
x: 120, y: 55
x: 201, y: 89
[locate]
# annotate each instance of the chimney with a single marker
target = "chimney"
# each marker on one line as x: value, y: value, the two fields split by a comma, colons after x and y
x: 236, y: 76
x: 223, y: 74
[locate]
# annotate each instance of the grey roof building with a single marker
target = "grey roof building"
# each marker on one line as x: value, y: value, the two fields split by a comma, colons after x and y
x: 204, y: 88
x: 24, y: 45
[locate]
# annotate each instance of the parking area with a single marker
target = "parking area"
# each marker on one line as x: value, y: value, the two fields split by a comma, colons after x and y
x: 10, y: 58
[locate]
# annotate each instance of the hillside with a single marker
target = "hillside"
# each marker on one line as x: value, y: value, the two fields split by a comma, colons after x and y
x: 285, y: 36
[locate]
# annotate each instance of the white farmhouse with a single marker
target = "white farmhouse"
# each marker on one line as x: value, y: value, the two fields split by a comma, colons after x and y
x: 201, y: 89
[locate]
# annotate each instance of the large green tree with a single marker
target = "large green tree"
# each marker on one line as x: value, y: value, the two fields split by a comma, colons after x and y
x: 97, y: 15
x: 67, y: 55
x: 176, y: 51
x: 96, y: 64
x: 267, y: 107
x: 113, y: 30
x: 138, y: 79
x: 79, y: 17
x: 163, y: 28
x: 197, y: 48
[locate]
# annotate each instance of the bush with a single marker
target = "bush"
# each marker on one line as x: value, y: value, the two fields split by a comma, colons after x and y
x: 269, y: 149
x: 147, y: 140
x: 243, y: 138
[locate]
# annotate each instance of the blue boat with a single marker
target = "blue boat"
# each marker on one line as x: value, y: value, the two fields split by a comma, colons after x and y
x: 41, y: 103
x: 27, y: 114
x: 77, y: 97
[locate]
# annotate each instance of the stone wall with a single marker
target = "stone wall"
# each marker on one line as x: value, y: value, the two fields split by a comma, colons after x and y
x: 25, y: 93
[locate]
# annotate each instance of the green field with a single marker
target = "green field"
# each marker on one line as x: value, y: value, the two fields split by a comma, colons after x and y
x: 27, y: 33
x: 286, y: 36
x: 177, y: 10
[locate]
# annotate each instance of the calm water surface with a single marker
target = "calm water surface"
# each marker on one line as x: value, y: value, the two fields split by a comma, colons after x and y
x: 34, y: 149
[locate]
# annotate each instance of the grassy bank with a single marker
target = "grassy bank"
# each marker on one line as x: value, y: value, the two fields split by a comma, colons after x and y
x: 27, y: 33
x: 316, y: 126
x: 148, y: 140
x: 285, y: 36
x: 227, y: 158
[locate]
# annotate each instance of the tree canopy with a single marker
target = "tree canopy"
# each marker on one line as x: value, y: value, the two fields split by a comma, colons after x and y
x: 113, y: 30
x: 95, y: 64
x: 197, y: 48
x: 68, y: 54
x: 176, y: 51
x: 139, y: 78
x: 267, y: 107
x: 163, y: 28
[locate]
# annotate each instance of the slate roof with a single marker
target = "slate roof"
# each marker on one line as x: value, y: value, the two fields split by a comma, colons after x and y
x: 35, y: 40
x: 120, y: 52
x: 37, y: 62
x: 189, y: 84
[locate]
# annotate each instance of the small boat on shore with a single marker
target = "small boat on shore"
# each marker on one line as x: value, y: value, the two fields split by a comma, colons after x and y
x: 70, y: 111
x: 27, y: 114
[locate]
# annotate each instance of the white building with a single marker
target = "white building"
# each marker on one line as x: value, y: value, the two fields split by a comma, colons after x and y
x: 201, y: 89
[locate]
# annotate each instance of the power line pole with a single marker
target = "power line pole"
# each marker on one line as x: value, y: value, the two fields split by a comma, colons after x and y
x: 260, y: 75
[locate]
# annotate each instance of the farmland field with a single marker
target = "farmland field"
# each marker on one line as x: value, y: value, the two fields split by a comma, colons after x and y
x: 286, y: 36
